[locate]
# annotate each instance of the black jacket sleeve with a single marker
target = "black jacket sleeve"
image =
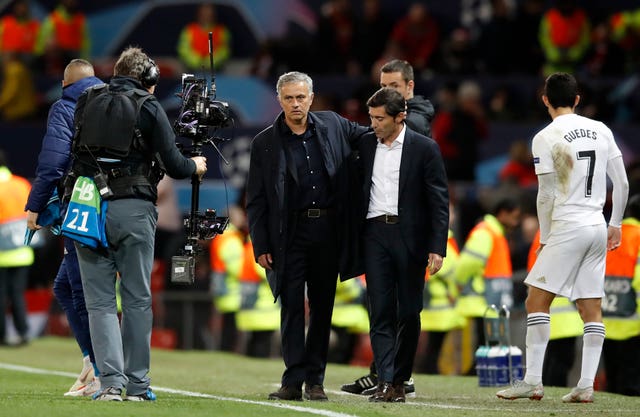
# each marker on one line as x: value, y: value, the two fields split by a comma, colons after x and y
x: 164, y: 143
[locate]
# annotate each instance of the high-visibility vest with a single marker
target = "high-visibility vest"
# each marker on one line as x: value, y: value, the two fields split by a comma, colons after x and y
x: 565, y: 319
x: 193, y: 45
x: 566, y: 31
x: 492, y: 284
x: 226, y: 258
x: 440, y: 292
x: 349, y: 310
x: 68, y: 30
x: 257, y: 310
x: 18, y: 36
x: 622, y: 285
x: 200, y: 38
x: 250, y: 268
x: 14, y: 191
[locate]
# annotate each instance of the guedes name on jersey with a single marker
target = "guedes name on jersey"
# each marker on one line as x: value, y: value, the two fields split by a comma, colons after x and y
x: 580, y: 133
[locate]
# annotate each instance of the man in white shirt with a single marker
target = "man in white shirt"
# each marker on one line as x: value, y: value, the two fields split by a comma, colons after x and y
x: 573, y: 156
x: 406, y: 206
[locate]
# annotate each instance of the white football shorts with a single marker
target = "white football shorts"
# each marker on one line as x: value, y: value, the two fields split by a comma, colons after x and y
x: 572, y: 263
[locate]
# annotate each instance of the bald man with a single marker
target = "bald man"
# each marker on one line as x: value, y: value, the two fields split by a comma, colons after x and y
x: 53, y: 162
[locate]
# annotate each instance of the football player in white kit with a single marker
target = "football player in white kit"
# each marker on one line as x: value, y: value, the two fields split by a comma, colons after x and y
x: 573, y: 156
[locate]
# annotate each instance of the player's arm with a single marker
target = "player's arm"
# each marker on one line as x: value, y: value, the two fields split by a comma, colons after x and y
x: 544, y: 203
x: 618, y: 176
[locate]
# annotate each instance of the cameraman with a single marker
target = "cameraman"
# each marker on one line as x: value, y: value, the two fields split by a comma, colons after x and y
x: 123, y: 355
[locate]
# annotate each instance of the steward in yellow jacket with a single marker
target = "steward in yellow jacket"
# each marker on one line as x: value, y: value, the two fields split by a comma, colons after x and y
x: 484, y: 271
x: 258, y: 314
x: 439, y: 315
x: 621, y: 308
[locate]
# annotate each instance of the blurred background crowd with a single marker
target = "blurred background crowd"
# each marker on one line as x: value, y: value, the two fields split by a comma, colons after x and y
x: 481, y: 62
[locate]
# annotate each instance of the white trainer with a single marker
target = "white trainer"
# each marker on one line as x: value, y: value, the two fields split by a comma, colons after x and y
x: 520, y: 389
x: 85, y: 378
x: 579, y: 395
x: 86, y: 390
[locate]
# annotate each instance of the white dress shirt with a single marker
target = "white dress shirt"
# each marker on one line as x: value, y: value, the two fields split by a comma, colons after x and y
x: 386, y: 178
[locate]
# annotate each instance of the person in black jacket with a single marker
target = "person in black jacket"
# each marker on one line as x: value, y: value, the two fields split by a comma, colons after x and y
x: 398, y: 74
x: 123, y: 351
x: 406, y: 206
x: 298, y: 211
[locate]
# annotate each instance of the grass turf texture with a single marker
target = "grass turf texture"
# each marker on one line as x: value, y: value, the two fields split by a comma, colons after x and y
x: 194, y: 384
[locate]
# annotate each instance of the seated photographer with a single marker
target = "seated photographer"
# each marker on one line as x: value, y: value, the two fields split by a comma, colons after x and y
x: 121, y: 146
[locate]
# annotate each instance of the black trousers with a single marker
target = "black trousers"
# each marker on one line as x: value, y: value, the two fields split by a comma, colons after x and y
x: 395, y: 284
x: 311, y: 264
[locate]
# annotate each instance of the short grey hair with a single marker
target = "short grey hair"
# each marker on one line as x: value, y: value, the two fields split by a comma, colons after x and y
x: 294, y: 77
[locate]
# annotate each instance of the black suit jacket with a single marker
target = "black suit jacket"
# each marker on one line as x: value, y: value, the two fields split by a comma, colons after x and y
x: 269, y: 208
x: 423, y: 200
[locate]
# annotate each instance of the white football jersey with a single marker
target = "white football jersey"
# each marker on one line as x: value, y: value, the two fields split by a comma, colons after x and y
x: 577, y: 149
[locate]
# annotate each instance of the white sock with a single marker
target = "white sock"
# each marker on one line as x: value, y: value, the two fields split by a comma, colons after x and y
x: 592, y: 341
x: 538, y: 330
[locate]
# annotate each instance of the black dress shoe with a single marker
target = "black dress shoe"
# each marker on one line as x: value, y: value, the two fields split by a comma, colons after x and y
x: 315, y: 393
x: 383, y: 394
x: 287, y: 393
x: 398, y: 393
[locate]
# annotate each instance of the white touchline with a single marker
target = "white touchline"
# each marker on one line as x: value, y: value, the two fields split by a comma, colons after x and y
x: 326, y: 413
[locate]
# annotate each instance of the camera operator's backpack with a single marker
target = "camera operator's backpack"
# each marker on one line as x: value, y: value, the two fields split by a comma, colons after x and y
x: 109, y: 123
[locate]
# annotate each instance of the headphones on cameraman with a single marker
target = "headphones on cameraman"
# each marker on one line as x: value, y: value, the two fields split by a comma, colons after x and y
x: 150, y: 74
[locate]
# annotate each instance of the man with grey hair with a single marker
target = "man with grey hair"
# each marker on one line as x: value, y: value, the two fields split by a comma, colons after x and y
x: 299, y: 210
x: 125, y: 145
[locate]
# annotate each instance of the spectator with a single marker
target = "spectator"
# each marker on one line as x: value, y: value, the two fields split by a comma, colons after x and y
x: 336, y: 37
x: 18, y: 98
x: 528, y: 57
x: 625, y: 32
x: 64, y: 35
x: 193, y: 44
x: 565, y: 35
x: 15, y: 258
x: 604, y: 57
x: 416, y: 37
x: 496, y: 43
x: 459, y: 131
x: 372, y: 33
x: 457, y: 54
x: 519, y: 168
x: 18, y: 31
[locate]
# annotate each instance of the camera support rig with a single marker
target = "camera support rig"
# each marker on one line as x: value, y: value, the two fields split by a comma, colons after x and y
x: 199, y: 113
